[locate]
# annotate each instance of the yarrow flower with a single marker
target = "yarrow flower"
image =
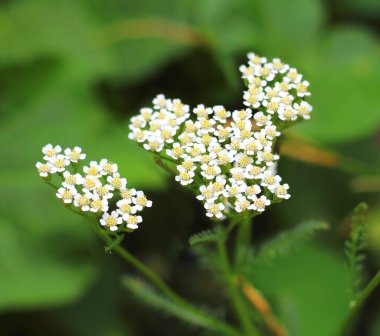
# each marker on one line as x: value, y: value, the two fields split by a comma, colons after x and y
x: 99, y: 189
x: 228, y: 157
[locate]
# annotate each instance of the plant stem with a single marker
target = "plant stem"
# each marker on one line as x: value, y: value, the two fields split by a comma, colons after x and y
x: 242, y: 241
x: 237, y: 301
x: 363, y: 295
x: 207, y: 321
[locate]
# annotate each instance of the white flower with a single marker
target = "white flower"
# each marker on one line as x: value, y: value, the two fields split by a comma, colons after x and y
x: 82, y: 201
x: 66, y: 195
x: 138, y: 135
x: 233, y: 190
x: 187, y: 166
x: 141, y: 201
x: 207, y: 193
x: 214, y: 210
x: 244, y: 114
x: 271, y: 132
x: 262, y: 119
x: 185, y: 177
x: 242, y: 160
x: 279, y: 66
x: 272, y: 105
x: 267, y: 156
x: 127, y: 194
x: 117, y: 182
x: 160, y: 101
x: 70, y: 180
x: 287, y: 113
x: 137, y: 122
x: 59, y: 163
x: 210, y: 171
x: 124, y: 207
x: 304, y: 109
x: 44, y: 169
x: 225, y: 157
x: 155, y: 144
x: 176, y: 152
x: 89, y: 183
x: 223, y: 133
x: 107, y: 168
x: 302, y: 89
x: 202, y: 112
x: 251, y: 146
x: 92, y: 170
x: 293, y: 76
x: 242, y: 204
x: 218, y: 185
x: 98, y: 204
x: 75, y: 154
x: 252, y: 191
x: 50, y: 151
x: 282, y: 191
x: 253, y: 172
x: 220, y: 114
x: 270, y: 181
x: 103, y: 191
x: 260, y: 203
x: 237, y: 175
x: 111, y: 221
x: 166, y: 134
x: 132, y: 221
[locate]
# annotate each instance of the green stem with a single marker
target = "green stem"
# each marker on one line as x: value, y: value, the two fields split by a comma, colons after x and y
x: 364, y: 294
x: 207, y: 321
x: 242, y: 241
x: 237, y: 301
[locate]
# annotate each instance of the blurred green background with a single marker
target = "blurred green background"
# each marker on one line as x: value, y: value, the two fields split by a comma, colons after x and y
x: 74, y: 72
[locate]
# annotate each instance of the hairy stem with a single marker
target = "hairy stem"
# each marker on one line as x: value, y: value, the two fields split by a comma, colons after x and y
x: 235, y: 295
x: 242, y: 242
x: 362, y: 297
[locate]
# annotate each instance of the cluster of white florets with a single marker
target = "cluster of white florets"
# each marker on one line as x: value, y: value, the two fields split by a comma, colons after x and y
x: 96, y: 189
x: 229, y: 157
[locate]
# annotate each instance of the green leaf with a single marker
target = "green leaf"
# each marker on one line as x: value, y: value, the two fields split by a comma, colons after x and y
x: 307, y: 290
x: 344, y: 81
x: 290, y: 240
x: 206, y: 236
x: 355, y: 247
x: 150, y: 297
x: 34, y: 273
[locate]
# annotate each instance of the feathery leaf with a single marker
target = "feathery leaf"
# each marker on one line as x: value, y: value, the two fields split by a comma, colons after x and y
x: 289, y: 240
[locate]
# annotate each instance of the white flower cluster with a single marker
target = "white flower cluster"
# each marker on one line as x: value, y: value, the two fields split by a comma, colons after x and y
x: 96, y: 189
x: 229, y: 157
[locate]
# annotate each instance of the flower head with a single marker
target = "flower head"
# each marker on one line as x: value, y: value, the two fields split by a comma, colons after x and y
x: 229, y: 158
x: 96, y: 189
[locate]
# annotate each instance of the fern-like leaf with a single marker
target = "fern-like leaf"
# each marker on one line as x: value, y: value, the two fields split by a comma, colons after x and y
x: 289, y: 240
x: 206, y: 236
x: 146, y: 294
x: 355, y: 247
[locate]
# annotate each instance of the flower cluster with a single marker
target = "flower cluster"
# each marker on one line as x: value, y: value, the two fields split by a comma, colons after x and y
x: 229, y: 158
x: 95, y: 190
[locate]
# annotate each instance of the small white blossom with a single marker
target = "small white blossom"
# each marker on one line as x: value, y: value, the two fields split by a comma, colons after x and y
x: 67, y: 195
x: 44, y: 169
x: 51, y: 151
x: 132, y: 221
x: 111, y: 221
x: 215, y: 210
x: 75, y: 154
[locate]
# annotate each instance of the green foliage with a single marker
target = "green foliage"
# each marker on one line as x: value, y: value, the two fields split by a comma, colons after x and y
x: 152, y: 299
x: 206, y: 236
x: 355, y: 247
x: 289, y: 240
x: 306, y: 289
